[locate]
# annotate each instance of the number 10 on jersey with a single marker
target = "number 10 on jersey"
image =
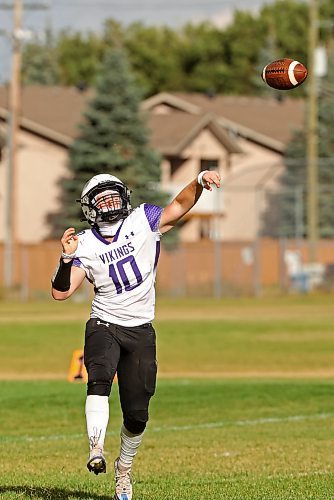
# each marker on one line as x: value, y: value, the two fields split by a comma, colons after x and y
x: 119, y: 274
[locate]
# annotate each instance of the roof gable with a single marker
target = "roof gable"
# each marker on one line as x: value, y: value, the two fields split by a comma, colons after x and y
x: 265, y: 121
x: 172, y: 134
x: 172, y: 101
x: 56, y: 112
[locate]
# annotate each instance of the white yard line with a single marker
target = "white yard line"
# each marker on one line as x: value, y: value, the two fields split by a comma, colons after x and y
x: 244, y: 423
x: 280, y: 475
x: 178, y: 428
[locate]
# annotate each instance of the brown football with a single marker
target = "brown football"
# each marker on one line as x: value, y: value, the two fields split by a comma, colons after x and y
x: 284, y: 74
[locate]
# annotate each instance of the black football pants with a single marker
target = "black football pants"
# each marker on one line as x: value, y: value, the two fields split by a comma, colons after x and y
x: 129, y: 351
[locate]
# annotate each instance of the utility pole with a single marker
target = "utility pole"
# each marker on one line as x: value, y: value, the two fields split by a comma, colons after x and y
x: 10, y: 232
x: 312, y: 135
x: 11, y: 171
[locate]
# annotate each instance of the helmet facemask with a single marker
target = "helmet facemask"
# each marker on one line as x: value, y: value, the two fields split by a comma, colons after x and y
x: 107, y: 202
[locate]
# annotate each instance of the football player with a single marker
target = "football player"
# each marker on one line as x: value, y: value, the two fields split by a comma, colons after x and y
x: 119, y: 256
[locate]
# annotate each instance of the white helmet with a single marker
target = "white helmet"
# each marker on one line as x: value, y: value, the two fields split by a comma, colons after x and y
x: 97, y: 199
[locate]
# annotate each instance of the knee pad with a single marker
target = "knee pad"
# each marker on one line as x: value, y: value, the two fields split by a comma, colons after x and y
x: 98, y: 388
x: 135, y: 422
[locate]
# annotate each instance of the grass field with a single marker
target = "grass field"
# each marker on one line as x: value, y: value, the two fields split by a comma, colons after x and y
x: 244, y: 407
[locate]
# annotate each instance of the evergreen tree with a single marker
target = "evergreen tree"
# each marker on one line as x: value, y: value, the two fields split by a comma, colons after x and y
x: 294, y: 180
x: 113, y: 139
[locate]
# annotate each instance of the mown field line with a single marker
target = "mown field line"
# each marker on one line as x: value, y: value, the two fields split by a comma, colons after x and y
x: 314, y: 374
x: 209, y: 314
x: 179, y: 428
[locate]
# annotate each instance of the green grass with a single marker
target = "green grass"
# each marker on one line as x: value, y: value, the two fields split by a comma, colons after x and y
x: 244, y: 407
x: 206, y: 439
x: 283, y: 337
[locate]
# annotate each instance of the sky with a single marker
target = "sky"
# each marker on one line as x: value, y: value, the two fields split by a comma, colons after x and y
x: 85, y: 15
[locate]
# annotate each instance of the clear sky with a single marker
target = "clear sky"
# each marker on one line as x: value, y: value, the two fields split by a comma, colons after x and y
x: 87, y: 15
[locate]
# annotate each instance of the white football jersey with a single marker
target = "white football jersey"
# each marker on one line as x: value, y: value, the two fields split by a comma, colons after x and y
x: 123, y: 271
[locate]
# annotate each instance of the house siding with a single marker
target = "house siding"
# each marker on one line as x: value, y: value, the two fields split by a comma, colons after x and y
x: 40, y: 167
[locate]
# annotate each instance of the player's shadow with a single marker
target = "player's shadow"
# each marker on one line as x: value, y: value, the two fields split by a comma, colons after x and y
x: 51, y: 493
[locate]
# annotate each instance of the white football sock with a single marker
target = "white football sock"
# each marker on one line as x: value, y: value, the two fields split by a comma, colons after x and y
x: 97, y: 416
x: 129, y: 447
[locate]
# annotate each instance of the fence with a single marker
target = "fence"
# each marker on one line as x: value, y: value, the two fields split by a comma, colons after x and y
x: 205, y: 268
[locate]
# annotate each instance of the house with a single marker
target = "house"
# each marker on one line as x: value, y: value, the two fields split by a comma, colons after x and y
x: 243, y: 137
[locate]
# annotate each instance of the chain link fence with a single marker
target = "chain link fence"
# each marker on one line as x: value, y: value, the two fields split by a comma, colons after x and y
x: 272, y: 257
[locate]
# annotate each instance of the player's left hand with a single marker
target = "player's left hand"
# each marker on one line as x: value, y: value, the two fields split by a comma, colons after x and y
x: 211, y: 177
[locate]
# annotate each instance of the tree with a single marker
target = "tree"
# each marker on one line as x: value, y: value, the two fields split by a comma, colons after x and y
x: 153, y: 55
x: 201, y: 54
x: 78, y: 58
x: 294, y: 179
x: 243, y: 40
x: 194, y: 58
x: 40, y: 65
x: 113, y: 139
x: 288, y: 21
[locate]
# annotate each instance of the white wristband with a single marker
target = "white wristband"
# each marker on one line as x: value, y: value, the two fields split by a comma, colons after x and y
x: 67, y: 255
x: 200, y: 177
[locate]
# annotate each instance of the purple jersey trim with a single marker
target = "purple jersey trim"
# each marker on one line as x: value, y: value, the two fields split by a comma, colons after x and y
x: 153, y: 215
x: 117, y: 232
x: 157, y: 253
x: 77, y: 263
x: 99, y: 237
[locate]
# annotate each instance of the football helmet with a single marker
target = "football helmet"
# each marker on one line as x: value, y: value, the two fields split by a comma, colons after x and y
x: 105, y: 198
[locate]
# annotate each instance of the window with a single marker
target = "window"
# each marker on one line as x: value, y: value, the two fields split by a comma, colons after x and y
x: 175, y: 164
x: 209, y: 165
x: 205, y: 229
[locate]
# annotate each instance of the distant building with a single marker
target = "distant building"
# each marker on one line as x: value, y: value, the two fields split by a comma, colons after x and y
x: 243, y: 137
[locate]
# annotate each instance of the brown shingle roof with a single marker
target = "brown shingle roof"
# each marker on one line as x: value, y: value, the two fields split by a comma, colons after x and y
x: 267, y: 116
x: 56, y: 108
x: 57, y: 111
x: 170, y: 134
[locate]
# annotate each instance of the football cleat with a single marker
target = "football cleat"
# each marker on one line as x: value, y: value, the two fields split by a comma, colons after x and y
x: 96, y: 462
x: 123, y: 483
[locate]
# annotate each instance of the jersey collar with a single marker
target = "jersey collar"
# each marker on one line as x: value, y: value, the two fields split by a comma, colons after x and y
x: 103, y: 240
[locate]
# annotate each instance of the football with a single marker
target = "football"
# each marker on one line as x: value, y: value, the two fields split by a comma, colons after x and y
x: 284, y: 74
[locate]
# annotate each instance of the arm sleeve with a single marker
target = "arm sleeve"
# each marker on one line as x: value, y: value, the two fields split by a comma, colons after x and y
x: 61, y: 280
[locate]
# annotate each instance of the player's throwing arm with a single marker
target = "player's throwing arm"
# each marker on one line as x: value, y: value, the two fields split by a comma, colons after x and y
x: 187, y: 198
